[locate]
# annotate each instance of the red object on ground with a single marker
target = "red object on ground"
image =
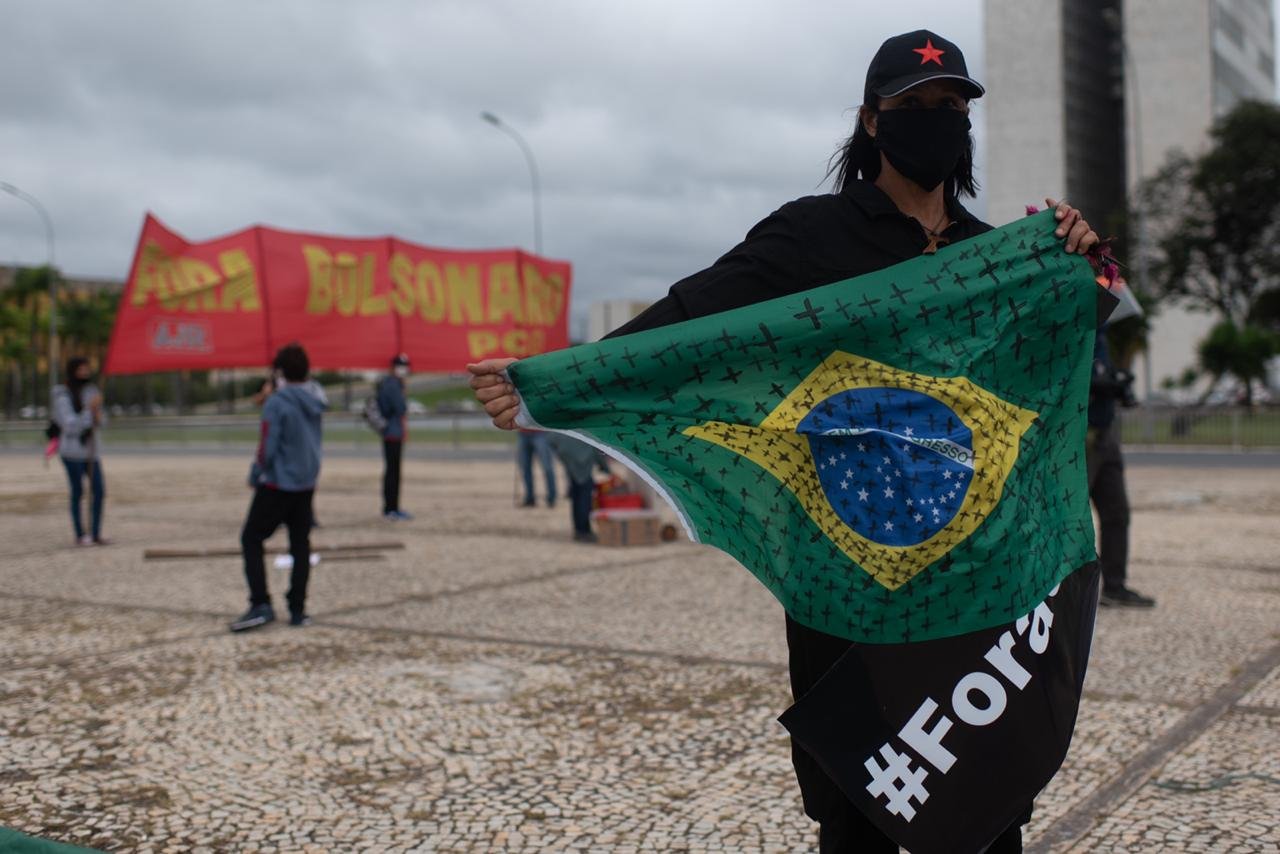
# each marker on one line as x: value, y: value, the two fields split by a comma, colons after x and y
x: 616, y: 501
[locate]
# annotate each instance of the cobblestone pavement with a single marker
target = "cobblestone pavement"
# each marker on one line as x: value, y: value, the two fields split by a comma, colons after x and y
x: 494, y: 686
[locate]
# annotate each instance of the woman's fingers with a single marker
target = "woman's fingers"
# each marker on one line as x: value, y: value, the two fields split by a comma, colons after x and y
x: 498, y: 396
x: 1067, y: 218
x: 1081, y: 238
x: 494, y: 392
x: 1076, y: 233
x: 490, y: 366
x: 503, y: 413
x: 499, y: 405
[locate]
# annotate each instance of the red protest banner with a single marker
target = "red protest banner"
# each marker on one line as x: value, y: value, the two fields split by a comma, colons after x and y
x: 352, y: 302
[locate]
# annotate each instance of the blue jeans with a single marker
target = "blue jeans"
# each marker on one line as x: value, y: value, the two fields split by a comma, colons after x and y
x: 76, y: 471
x: 527, y: 445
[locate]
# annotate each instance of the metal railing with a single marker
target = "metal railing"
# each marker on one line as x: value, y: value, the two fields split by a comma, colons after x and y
x: 1235, y: 428
x: 182, y: 431
x: 1214, y: 427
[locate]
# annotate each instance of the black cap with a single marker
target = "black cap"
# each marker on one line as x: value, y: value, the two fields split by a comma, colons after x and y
x: 400, y: 359
x: 912, y: 58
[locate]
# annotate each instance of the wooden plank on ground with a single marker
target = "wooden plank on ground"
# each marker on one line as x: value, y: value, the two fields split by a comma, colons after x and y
x: 334, y: 549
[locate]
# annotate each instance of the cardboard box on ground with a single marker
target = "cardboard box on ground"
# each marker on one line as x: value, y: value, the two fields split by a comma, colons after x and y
x: 629, y: 514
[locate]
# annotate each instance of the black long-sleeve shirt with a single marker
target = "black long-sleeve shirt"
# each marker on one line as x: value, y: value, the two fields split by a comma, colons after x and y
x: 807, y: 243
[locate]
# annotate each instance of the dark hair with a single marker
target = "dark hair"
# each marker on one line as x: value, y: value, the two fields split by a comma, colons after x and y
x: 292, y: 362
x: 858, y: 156
x: 75, y: 385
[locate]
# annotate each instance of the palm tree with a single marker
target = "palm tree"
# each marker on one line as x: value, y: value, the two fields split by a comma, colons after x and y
x: 85, y: 323
x: 24, y: 294
x: 13, y: 354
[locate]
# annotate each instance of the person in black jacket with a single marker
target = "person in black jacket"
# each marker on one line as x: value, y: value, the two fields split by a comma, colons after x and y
x: 394, y: 407
x: 1108, y: 387
x: 899, y: 178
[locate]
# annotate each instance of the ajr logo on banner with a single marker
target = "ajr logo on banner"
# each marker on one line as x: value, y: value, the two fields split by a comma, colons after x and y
x: 182, y: 336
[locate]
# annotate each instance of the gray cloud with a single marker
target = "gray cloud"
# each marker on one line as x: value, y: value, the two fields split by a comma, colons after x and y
x: 662, y: 130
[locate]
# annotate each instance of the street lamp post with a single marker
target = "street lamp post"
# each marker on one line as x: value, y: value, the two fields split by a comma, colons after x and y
x: 53, y: 280
x: 533, y: 175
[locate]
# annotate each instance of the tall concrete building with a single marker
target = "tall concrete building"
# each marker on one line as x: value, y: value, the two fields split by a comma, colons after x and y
x: 1088, y: 96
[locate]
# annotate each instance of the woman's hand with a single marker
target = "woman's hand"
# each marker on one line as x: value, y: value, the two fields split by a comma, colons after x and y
x: 498, y: 396
x: 1078, y: 236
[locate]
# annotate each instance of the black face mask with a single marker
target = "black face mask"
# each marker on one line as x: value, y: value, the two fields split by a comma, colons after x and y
x: 924, y: 145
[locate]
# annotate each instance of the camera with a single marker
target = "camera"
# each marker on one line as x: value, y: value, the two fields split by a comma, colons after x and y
x: 1125, y: 381
x: 1116, y: 383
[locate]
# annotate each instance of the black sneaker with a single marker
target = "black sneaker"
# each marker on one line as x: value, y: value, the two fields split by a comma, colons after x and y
x: 1123, y: 597
x: 298, y: 620
x: 585, y: 537
x: 255, y: 617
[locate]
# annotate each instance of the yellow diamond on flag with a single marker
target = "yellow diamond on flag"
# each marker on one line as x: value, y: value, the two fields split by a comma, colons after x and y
x: 895, y: 468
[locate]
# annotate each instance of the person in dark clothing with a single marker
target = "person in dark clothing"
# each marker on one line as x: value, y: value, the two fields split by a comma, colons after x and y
x: 283, y: 478
x: 530, y: 444
x: 1108, y: 387
x: 580, y: 461
x: 273, y: 381
x: 394, y: 407
x: 77, y: 410
x: 898, y: 180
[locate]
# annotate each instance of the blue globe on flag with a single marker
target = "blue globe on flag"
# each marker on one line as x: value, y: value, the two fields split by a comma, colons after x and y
x: 894, y: 464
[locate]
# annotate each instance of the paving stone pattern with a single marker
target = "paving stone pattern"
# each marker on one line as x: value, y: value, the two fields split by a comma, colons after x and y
x: 495, y: 686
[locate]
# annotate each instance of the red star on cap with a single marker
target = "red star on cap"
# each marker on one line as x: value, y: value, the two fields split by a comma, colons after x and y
x: 928, y: 53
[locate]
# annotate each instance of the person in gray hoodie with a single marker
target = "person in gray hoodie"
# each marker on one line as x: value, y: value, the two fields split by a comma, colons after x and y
x: 77, y: 410
x: 580, y: 461
x: 283, y: 477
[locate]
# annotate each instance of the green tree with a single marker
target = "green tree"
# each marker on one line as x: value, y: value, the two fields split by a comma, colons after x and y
x: 85, y: 324
x: 26, y: 295
x: 13, y: 354
x: 1216, y: 218
x: 1240, y: 352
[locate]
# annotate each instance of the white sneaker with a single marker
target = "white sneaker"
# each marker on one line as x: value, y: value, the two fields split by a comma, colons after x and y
x: 285, y: 561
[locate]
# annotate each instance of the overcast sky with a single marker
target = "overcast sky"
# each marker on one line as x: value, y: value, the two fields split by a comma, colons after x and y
x: 662, y: 130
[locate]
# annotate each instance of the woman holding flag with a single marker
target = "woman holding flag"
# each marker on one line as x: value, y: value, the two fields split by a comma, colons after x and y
x: 898, y: 180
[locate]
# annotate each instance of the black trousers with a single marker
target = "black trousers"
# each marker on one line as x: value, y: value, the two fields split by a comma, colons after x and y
x: 391, y: 475
x: 580, y: 496
x: 1105, y: 462
x: 842, y: 827
x: 270, y: 509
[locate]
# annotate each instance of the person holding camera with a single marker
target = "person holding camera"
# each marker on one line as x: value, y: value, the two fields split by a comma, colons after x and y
x: 77, y: 412
x: 1110, y: 386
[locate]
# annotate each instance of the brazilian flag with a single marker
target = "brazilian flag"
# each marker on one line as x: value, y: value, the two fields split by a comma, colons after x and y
x: 899, y: 458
